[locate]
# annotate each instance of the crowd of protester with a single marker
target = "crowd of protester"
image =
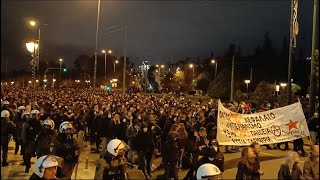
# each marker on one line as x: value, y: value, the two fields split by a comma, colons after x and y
x: 59, y: 122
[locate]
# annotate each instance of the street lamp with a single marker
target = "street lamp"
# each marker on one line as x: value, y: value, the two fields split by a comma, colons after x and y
x: 247, y: 82
x: 32, y: 47
x: 192, y: 66
x: 277, y: 89
x: 105, y: 62
x: 60, y: 60
x: 32, y: 23
x: 114, y: 65
x: 283, y: 85
x: 215, y: 71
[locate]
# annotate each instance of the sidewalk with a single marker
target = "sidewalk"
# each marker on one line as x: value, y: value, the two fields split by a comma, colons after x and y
x: 16, y: 171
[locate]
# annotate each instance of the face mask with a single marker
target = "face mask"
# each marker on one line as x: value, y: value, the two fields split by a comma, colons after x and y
x: 145, y: 129
x: 152, y: 128
x: 124, y: 120
x: 109, y: 115
x: 174, y: 119
x: 211, y: 159
x: 139, y: 117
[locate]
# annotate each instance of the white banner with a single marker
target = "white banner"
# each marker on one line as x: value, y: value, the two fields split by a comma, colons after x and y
x: 277, y: 125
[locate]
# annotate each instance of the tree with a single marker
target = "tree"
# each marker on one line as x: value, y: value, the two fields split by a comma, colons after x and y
x: 264, y: 92
x: 202, y: 82
x: 220, y: 87
x: 82, y: 63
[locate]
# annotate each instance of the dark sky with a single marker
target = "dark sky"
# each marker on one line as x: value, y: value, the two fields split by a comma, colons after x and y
x: 161, y: 30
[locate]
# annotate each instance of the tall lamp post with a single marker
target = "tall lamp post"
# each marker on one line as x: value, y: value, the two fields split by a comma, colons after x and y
x: 247, y: 83
x: 105, y: 62
x: 60, y: 61
x: 215, y: 71
x: 114, y: 65
x: 32, y: 47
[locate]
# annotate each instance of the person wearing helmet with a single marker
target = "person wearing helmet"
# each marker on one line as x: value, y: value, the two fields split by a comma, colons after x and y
x: 208, y: 171
x: 29, y: 132
x: 67, y: 148
x: 171, y: 155
x: 7, y: 128
x: 18, y: 120
x: 116, y: 163
x: 45, y: 168
x: 6, y: 106
x: 45, y: 139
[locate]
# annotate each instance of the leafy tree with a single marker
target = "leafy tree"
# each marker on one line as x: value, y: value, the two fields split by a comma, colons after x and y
x: 264, y: 92
x: 220, y: 87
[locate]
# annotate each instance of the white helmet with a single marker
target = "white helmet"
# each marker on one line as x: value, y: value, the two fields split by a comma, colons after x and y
x: 21, y: 108
x: 6, y: 103
x: 208, y: 170
x: 5, y: 113
x: 64, y: 126
x: 114, y: 146
x: 34, y: 111
x: 25, y: 113
x: 44, y: 162
x: 49, y: 122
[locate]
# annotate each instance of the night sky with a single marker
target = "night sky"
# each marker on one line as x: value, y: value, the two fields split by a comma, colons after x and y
x: 162, y: 31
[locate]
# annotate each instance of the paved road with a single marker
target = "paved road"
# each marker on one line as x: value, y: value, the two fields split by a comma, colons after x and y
x: 270, y: 163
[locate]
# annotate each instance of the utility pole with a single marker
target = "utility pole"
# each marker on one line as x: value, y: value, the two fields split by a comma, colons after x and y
x: 232, y: 79
x: 314, y: 58
x: 290, y: 54
x: 125, y: 59
x: 95, y: 53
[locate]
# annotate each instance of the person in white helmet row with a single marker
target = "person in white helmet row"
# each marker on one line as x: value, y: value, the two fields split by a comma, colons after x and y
x: 7, y: 128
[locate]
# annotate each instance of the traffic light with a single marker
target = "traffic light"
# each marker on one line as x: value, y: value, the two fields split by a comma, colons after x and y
x: 65, y: 70
x: 108, y: 88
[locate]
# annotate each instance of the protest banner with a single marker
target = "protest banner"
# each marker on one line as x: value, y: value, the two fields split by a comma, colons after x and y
x: 274, y: 126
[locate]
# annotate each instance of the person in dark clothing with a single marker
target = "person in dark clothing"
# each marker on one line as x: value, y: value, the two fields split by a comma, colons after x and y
x: 99, y: 124
x: 7, y: 128
x: 211, y: 156
x: 18, y: 121
x: 290, y: 169
x: 247, y: 169
x: 46, y: 138
x: 29, y: 132
x: 144, y: 145
x: 67, y: 148
x: 313, y: 126
x: 171, y: 155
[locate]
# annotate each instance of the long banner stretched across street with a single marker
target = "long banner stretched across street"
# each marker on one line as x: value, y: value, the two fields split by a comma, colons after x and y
x: 274, y: 126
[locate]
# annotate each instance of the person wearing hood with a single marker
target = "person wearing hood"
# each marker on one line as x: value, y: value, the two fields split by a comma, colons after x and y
x: 290, y: 170
x: 144, y: 145
x: 99, y: 125
x: 131, y: 132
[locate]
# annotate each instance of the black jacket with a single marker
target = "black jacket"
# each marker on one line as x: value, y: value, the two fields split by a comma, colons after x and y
x: 66, y: 148
x: 7, y: 127
x: 284, y: 172
x: 45, y: 141
x: 144, y: 141
x: 35, y: 177
x: 171, y: 148
x: 245, y: 173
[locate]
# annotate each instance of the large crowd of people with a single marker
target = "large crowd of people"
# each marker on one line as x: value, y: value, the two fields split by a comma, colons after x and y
x: 54, y: 125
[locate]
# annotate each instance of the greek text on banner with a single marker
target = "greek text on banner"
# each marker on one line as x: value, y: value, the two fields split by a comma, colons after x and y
x: 274, y: 126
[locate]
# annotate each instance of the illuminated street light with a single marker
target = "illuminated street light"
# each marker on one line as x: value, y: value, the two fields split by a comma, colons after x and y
x: 109, y: 51
x: 37, y: 81
x: 114, y: 65
x: 29, y: 82
x: 32, y: 23
x: 103, y: 51
x: 12, y: 82
x: 247, y: 82
x: 31, y: 46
